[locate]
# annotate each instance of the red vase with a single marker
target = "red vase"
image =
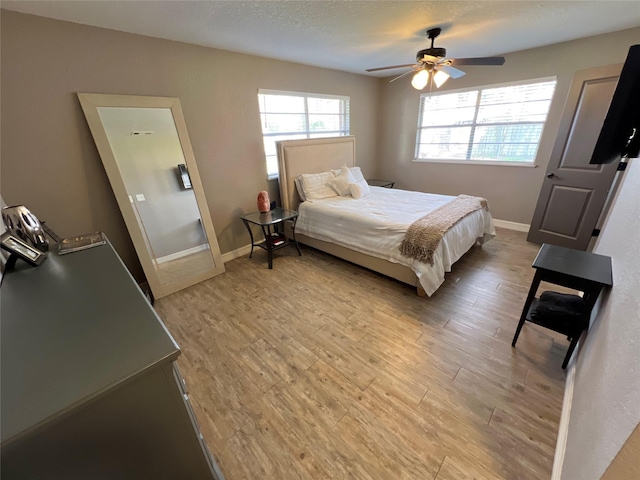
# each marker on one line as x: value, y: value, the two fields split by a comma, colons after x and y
x: 264, y: 204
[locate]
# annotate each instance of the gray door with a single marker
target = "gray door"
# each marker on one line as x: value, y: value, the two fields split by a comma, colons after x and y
x: 574, y: 192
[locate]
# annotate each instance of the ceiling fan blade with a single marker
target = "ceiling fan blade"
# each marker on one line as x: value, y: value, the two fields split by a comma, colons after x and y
x: 405, y: 73
x: 391, y: 67
x: 451, y: 71
x: 478, y: 61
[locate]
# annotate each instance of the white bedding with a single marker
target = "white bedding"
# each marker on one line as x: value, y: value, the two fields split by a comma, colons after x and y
x: 376, y: 224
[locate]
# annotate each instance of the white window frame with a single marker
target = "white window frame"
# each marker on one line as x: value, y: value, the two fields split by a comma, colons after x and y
x: 309, y: 134
x: 473, y: 125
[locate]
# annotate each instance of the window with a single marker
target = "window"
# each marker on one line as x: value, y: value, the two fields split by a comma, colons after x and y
x: 494, y: 124
x: 290, y: 115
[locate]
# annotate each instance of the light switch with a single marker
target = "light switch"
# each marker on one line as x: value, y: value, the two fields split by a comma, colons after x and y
x: 130, y: 198
x: 140, y: 197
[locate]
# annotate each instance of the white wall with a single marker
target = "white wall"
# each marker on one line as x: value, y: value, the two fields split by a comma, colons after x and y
x: 606, y: 398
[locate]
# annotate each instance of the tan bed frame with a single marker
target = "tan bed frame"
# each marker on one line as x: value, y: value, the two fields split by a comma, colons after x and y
x: 296, y: 157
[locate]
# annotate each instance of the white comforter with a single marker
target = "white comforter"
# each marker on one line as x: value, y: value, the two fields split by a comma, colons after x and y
x: 376, y: 224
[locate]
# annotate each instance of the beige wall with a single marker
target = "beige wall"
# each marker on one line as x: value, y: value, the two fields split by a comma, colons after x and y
x: 512, y: 191
x: 49, y: 160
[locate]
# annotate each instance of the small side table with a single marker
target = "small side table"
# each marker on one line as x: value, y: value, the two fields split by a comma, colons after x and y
x: 380, y: 183
x: 583, y: 271
x: 272, y: 239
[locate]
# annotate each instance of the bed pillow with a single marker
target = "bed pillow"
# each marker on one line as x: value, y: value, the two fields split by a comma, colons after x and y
x: 341, y: 182
x: 315, y: 186
x: 298, y: 182
x: 359, y: 189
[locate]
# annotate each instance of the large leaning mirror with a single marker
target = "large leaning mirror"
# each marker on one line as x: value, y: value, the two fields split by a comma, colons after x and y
x: 146, y: 152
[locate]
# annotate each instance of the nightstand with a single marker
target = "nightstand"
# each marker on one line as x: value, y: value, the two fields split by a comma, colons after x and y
x: 272, y: 239
x: 380, y: 183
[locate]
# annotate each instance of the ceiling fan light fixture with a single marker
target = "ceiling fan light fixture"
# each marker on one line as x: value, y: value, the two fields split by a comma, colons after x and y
x: 439, y: 78
x: 420, y: 79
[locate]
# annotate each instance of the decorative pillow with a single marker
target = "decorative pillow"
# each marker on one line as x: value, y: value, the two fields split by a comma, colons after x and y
x: 355, y: 171
x: 357, y: 174
x: 315, y: 186
x: 359, y: 189
x: 298, y: 182
x: 341, y: 182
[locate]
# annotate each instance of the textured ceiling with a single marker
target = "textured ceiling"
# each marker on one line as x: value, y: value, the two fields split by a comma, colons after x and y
x: 350, y: 35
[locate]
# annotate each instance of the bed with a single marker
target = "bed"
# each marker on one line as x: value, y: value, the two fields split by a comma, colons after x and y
x: 368, y: 231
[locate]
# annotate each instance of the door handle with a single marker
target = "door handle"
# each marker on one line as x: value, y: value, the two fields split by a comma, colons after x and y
x: 551, y: 175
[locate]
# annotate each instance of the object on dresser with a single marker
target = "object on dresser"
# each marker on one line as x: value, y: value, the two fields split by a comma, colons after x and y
x: 54, y: 236
x: 25, y: 226
x: 264, y: 204
x: 81, y: 242
x: 20, y: 249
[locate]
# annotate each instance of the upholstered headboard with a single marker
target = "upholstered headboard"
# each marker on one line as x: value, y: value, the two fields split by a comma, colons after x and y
x: 313, y: 155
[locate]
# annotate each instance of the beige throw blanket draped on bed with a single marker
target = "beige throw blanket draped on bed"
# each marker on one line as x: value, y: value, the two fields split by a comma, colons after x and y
x: 424, y: 235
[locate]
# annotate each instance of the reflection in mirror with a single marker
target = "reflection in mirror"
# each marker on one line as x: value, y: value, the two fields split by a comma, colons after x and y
x: 157, y: 186
x: 147, y: 150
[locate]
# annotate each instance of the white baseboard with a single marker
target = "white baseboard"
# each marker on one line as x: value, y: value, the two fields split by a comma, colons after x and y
x: 518, y: 227
x: 563, y: 428
x: 183, y: 253
x: 237, y: 253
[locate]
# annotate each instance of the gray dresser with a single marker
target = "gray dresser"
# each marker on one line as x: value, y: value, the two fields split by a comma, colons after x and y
x: 89, y: 385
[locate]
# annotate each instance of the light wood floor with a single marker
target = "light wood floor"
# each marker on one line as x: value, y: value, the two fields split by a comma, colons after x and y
x: 321, y: 369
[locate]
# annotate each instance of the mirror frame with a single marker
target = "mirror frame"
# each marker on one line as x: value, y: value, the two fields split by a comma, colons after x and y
x: 90, y: 103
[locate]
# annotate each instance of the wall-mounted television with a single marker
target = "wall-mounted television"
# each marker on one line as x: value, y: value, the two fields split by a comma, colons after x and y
x: 620, y: 134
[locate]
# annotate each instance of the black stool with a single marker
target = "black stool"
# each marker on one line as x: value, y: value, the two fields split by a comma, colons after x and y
x: 582, y: 271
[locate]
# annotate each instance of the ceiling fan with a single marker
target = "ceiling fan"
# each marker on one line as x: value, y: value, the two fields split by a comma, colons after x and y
x: 432, y: 64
